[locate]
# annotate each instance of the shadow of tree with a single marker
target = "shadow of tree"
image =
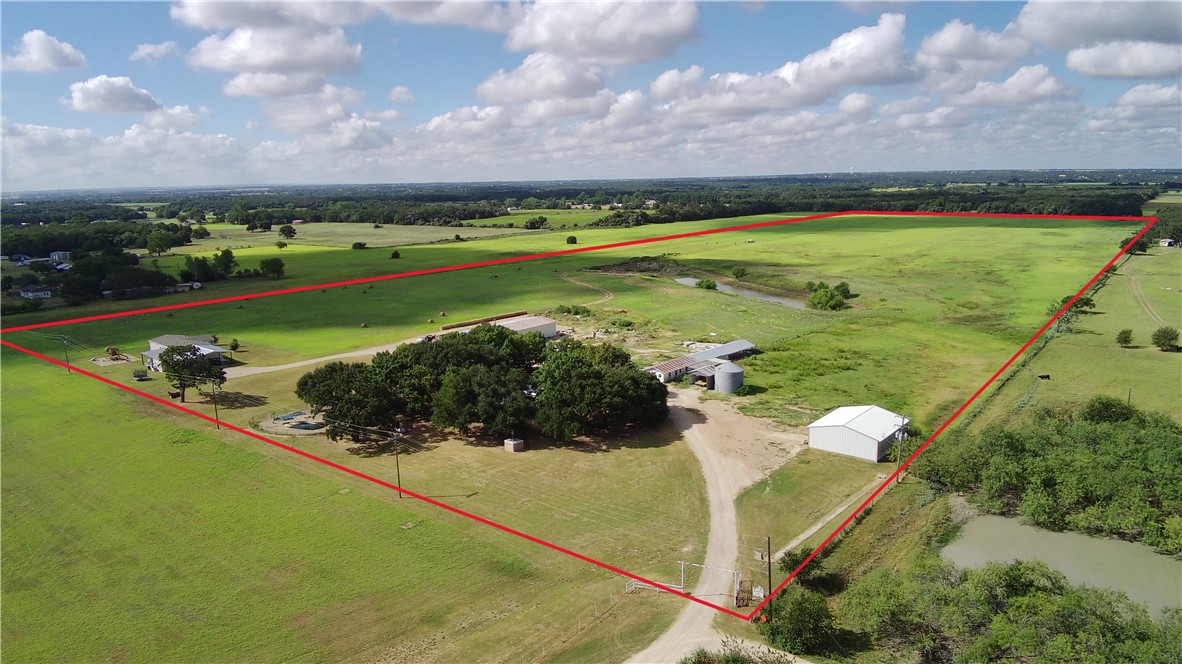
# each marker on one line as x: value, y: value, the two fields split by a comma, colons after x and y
x: 234, y: 400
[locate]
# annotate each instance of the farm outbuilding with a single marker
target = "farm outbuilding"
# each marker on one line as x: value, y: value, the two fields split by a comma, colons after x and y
x: 728, y: 377
x: 671, y: 370
x: 546, y: 326
x: 865, y: 432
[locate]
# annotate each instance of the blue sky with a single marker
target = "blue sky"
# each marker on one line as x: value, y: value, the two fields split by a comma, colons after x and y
x: 232, y: 93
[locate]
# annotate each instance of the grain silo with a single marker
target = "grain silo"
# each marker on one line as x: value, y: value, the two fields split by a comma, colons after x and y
x: 728, y: 377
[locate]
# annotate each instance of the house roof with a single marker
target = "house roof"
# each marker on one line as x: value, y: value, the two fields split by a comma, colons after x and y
x: 872, y: 421
x: 183, y: 340
x: 34, y: 289
x: 204, y: 349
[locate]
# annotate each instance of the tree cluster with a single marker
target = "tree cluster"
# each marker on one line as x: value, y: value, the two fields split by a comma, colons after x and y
x: 1105, y: 468
x: 489, y: 376
x: 826, y: 297
x: 38, y: 241
x: 1020, y: 611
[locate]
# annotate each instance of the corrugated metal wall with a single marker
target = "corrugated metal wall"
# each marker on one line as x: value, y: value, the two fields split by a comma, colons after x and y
x: 845, y: 441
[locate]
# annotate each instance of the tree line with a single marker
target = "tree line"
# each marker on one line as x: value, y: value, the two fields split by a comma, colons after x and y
x: 39, y: 241
x: 492, y: 377
x: 1105, y: 468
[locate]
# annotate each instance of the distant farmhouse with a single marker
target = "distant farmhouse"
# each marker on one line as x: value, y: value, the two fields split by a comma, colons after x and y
x: 202, y: 342
x: 35, y: 293
x: 865, y: 432
x: 713, y: 366
x: 59, y: 256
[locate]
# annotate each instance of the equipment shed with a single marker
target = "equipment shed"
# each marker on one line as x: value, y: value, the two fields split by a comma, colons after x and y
x: 865, y: 432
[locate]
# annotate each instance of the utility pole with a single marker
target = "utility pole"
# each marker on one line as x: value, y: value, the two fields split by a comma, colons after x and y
x: 216, y: 420
x: 66, y: 348
x: 769, y: 567
x: 397, y: 466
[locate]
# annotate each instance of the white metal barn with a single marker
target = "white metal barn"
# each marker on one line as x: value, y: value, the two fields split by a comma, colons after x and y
x: 547, y: 326
x: 866, y: 432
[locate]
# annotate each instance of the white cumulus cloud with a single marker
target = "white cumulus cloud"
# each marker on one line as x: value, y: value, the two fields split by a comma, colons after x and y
x: 676, y: 83
x: 401, y: 94
x: 278, y: 50
x: 1127, y: 59
x: 174, y: 118
x: 541, y: 76
x: 959, y: 55
x: 110, y: 94
x: 38, y: 51
x: 606, y: 33
x: 154, y: 52
x: 1068, y: 25
x: 263, y: 84
x: 1027, y: 85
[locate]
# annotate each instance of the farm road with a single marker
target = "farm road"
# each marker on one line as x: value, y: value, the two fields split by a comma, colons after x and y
x: 1139, y: 295
x: 607, y: 295
x: 734, y: 452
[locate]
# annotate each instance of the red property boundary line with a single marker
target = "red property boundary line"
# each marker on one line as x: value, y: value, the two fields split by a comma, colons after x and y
x: 515, y: 259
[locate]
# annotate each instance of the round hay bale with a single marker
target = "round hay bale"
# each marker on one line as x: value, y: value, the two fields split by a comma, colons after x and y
x: 430, y: 320
x: 443, y: 314
x: 365, y: 325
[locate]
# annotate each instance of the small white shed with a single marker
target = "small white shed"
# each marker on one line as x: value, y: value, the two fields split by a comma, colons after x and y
x: 865, y: 432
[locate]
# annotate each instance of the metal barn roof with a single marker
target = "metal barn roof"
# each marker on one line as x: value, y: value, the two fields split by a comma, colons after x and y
x: 739, y: 346
x: 525, y: 323
x: 872, y: 421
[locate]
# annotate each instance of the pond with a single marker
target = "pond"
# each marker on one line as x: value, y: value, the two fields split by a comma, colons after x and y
x: 1146, y: 577
x: 726, y: 288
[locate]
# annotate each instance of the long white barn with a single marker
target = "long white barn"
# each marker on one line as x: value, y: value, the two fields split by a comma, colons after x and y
x: 865, y: 432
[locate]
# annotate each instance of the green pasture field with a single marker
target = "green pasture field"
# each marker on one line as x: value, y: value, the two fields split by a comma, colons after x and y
x: 941, y: 303
x: 1087, y: 361
x: 132, y: 533
x: 334, y: 235
x: 1165, y: 201
x: 556, y: 219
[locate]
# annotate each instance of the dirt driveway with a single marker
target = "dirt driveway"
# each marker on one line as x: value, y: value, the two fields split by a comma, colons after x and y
x: 735, y: 451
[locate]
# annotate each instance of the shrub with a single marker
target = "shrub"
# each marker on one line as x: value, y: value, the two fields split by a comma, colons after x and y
x: 1124, y: 337
x: 573, y: 309
x: 358, y: 245
x: 739, y: 272
x: 707, y: 284
x: 826, y: 299
x: 234, y: 345
x: 1165, y: 338
x: 395, y: 254
x: 570, y: 239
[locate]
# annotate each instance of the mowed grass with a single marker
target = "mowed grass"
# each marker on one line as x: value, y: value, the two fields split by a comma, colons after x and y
x: 1087, y: 361
x: 555, y: 219
x: 135, y: 534
x: 794, y: 497
x: 335, y: 235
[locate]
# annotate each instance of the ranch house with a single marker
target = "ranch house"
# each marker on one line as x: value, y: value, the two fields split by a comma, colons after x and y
x: 202, y: 342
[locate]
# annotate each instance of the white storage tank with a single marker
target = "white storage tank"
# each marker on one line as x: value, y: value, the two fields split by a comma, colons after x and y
x: 728, y: 377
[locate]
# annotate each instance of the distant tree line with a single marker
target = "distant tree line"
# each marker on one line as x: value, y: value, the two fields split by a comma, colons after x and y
x: 65, y: 210
x: 493, y: 377
x: 1105, y: 468
x: 39, y: 241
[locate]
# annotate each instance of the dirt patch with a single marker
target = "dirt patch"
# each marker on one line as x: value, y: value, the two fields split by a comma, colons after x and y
x: 753, y: 447
x: 962, y: 510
